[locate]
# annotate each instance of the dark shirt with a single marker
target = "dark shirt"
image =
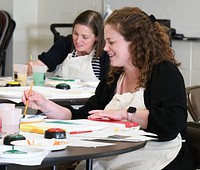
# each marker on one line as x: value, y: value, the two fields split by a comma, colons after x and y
x: 165, y: 99
x: 59, y: 51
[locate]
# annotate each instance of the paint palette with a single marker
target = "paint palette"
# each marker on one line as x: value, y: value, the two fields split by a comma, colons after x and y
x: 20, y: 152
x: 46, y: 144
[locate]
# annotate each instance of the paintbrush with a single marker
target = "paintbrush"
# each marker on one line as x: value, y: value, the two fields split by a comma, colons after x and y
x: 27, y: 102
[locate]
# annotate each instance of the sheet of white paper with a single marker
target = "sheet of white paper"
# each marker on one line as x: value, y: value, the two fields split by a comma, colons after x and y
x: 68, y: 125
x: 15, y: 93
x: 118, y: 134
x: 72, y: 141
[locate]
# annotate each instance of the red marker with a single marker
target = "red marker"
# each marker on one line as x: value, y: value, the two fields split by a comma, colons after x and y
x: 78, y: 132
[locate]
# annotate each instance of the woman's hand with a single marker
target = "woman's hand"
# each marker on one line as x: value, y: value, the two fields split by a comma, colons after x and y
x: 30, y: 66
x: 140, y: 117
x: 35, y: 99
x: 39, y: 102
x: 120, y: 114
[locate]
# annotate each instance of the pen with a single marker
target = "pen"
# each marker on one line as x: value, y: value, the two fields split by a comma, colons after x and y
x: 61, y: 79
x: 71, y: 80
x: 78, y: 132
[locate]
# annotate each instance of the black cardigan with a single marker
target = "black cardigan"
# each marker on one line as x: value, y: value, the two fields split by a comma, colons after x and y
x: 59, y: 51
x: 165, y: 99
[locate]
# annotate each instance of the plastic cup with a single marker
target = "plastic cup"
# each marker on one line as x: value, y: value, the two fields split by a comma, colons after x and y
x: 20, y: 73
x: 8, y: 106
x: 39, y: 75
x: 10, y: 120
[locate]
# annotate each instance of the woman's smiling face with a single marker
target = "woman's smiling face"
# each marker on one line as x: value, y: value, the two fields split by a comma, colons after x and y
x: 116, y: 47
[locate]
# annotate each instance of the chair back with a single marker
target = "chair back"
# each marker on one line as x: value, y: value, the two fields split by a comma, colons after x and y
x: 193, y: 133
x: 3, y: 25
x: 55, y: 32
x: 193, y: 101
x: 7, y: 26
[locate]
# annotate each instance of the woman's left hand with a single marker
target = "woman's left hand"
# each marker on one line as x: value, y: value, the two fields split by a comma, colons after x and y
x: 110, y: 114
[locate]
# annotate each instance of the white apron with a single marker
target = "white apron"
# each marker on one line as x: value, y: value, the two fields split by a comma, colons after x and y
x: 77, y: 68
x: 154, y: 156
x: 142, y: 159
x: 126, y: 100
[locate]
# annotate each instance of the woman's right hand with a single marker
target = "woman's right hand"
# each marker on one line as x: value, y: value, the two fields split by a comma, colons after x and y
x: 30, y: 66
x: 36, y: 100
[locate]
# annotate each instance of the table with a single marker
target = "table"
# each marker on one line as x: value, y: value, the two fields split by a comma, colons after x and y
x: 61, y: 97
x: 82, y: 153
x: 74, y: 101
x: 77, y: 95
x: 78, y: 153
x: 62, y: 102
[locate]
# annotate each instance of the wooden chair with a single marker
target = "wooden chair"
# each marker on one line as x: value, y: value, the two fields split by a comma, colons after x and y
x: 7, y: 26
x: 193, y: 101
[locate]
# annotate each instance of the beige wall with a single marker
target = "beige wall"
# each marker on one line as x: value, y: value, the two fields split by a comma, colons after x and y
x: 60, y: 11
x: 33, y: 19
x: 184, y: 14
x: 188, y: 53
x: 26, y: 32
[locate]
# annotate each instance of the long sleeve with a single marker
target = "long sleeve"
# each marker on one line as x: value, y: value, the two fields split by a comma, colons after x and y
x: 57, y: 53
x: 166, y: 101
x: 103, y: 94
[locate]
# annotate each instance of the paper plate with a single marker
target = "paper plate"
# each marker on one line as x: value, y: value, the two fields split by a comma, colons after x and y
x: 10, y: 94
x: 2, y: 83
x: 91, y: 84
x: 53, y: 83
x: 33, y: 119
x: 26, y: 152
x: 46, y: 144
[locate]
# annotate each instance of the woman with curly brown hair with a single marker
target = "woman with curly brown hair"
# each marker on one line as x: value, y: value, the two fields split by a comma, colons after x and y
x: 143, y: 85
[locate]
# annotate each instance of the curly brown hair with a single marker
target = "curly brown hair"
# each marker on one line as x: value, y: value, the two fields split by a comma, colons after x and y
x: 150, y: 42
